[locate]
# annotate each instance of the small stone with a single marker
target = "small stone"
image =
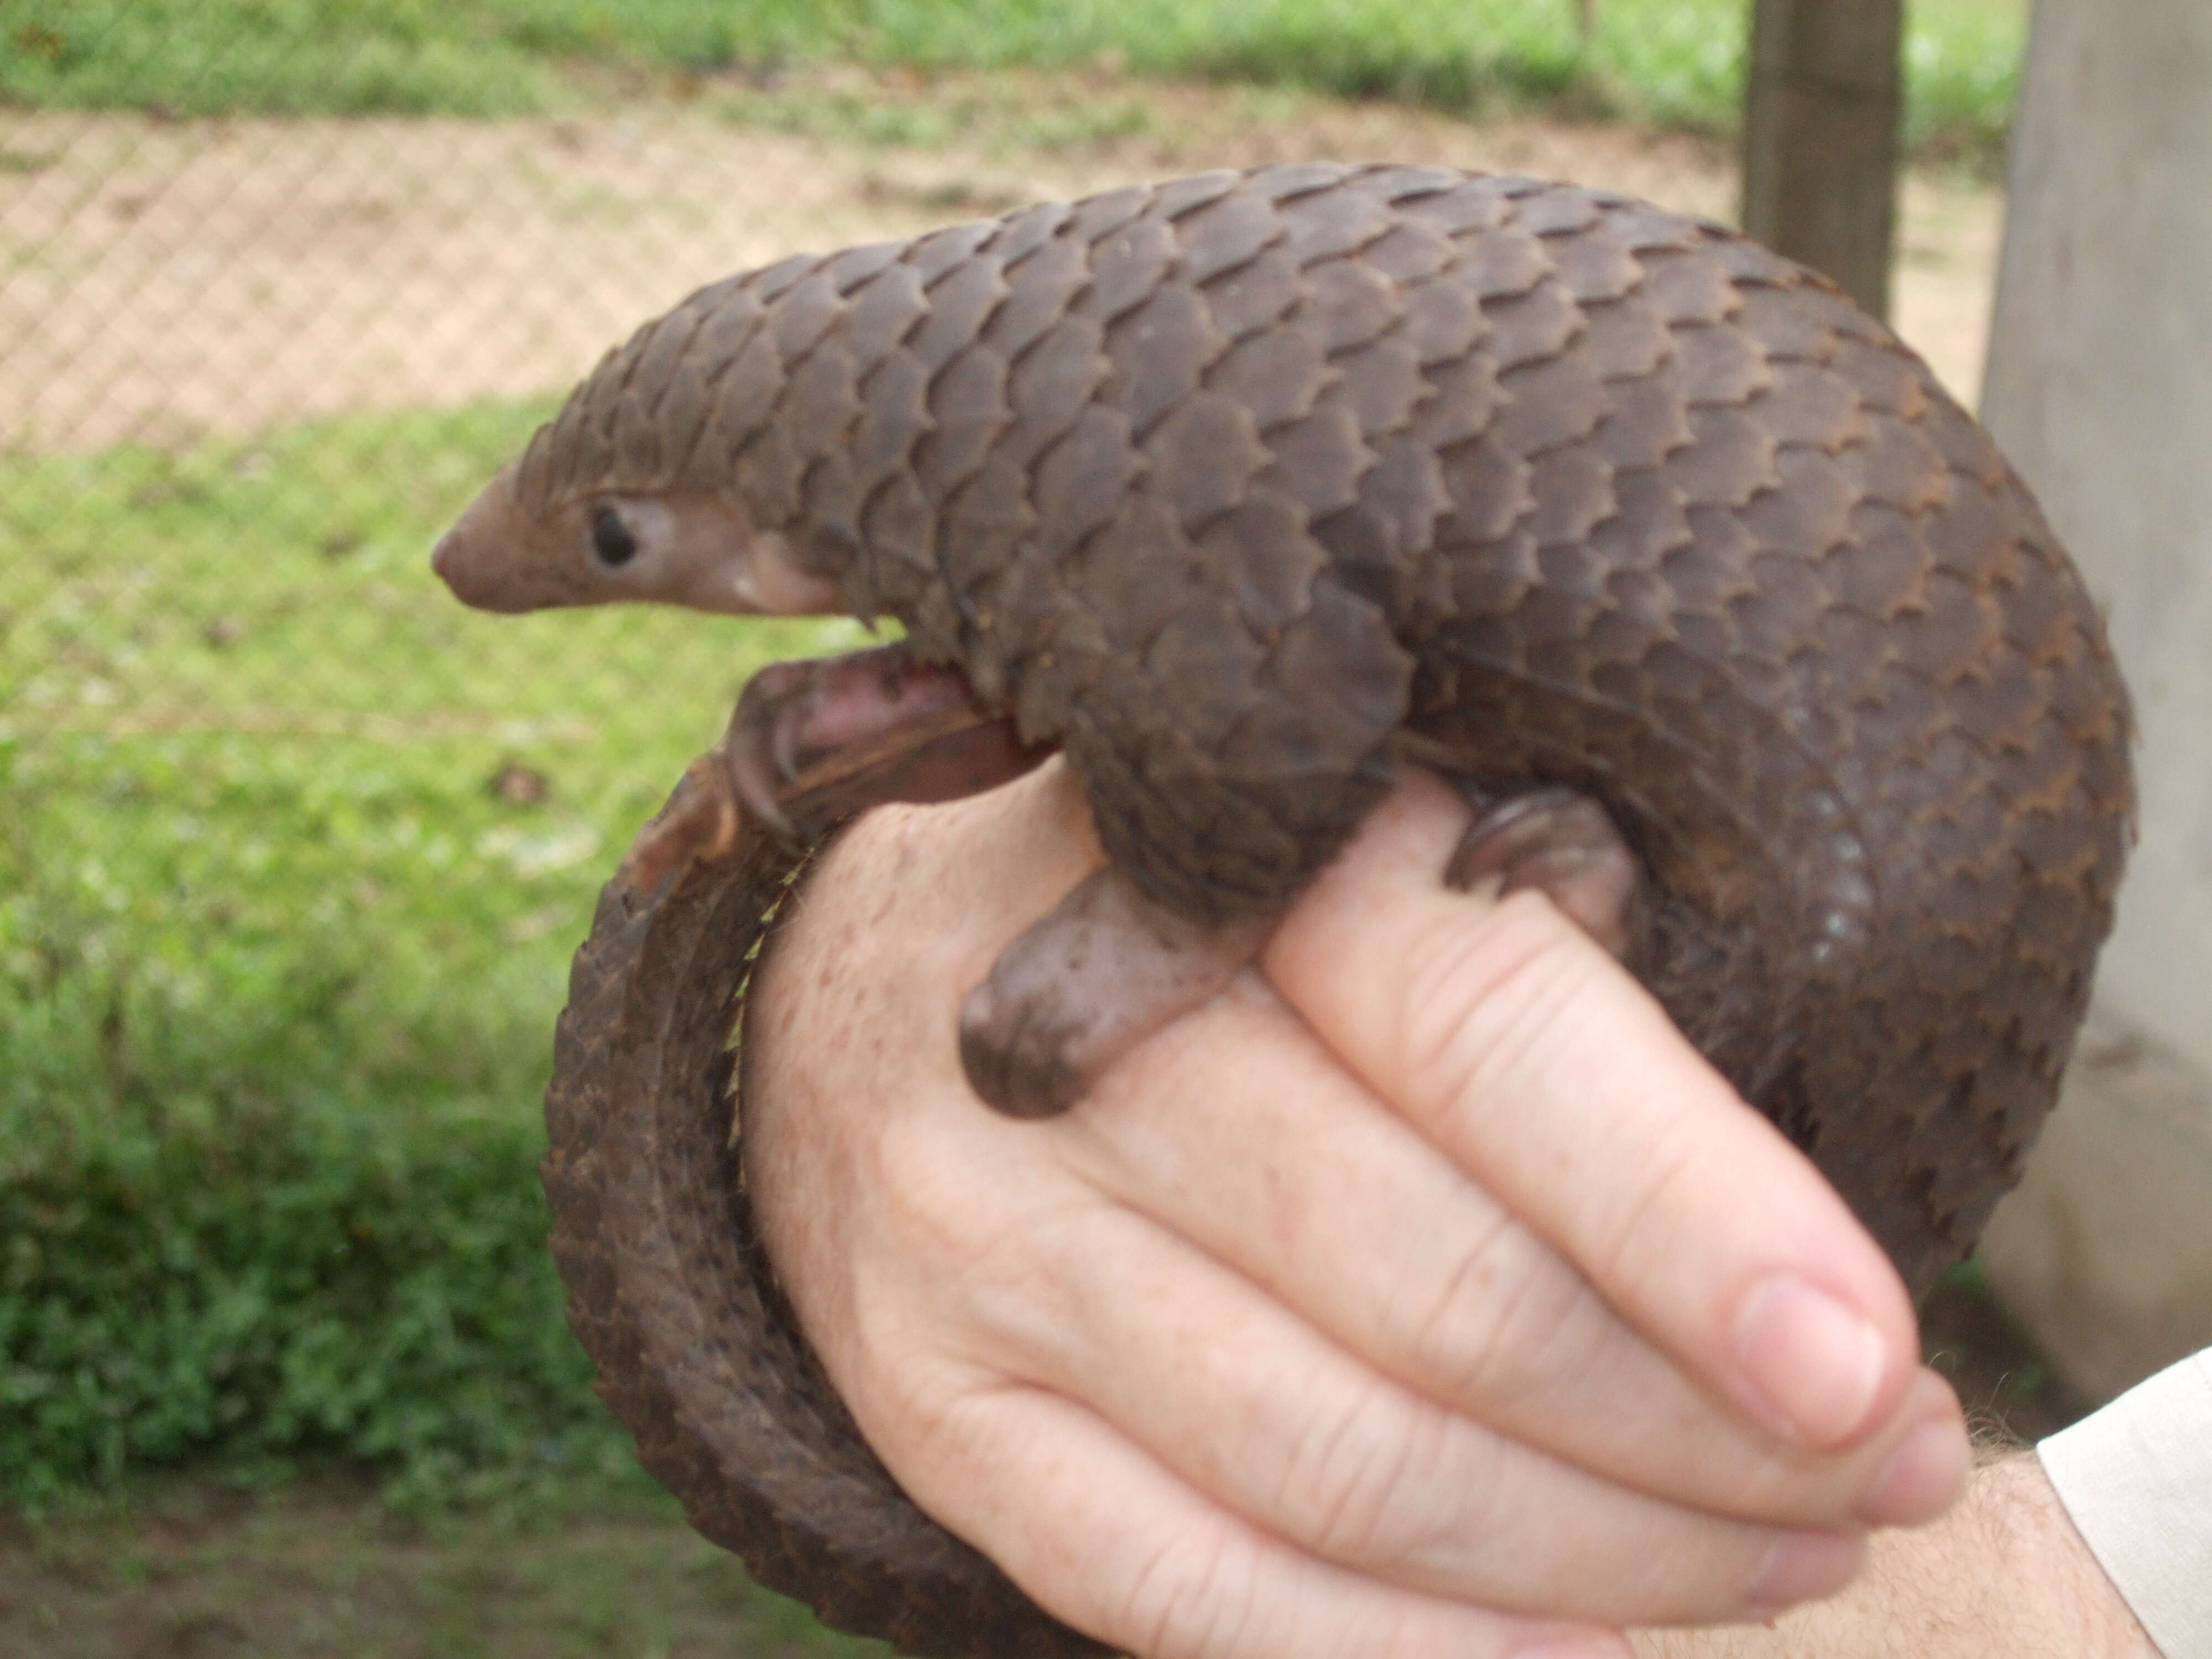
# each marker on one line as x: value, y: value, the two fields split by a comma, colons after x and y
x: 521, y: 786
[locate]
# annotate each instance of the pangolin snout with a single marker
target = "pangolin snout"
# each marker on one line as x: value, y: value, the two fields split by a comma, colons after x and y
x: 463, y: 576
x: 445, y: 553
x: 489, y: 559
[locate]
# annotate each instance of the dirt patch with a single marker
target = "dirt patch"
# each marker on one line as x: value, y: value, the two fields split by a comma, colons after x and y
x: 196, y: 1571
x: 159, y: 279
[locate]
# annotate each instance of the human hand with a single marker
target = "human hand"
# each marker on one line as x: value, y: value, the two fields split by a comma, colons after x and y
x: 1418, y: 1297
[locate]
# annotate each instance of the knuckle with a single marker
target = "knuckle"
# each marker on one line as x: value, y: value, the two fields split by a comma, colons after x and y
x: 1636, y: 1230
x: 927, y: 1191
x: 1191, y: 1598
x: 1016, y: 1288
x: 1003, y: 1258
x: 1481, y: 999
x: 1497, y: 1328
x: 1397, y: 1483
x: 1693, y: 1574
x: 931, y: 1406
x: 931, y: 1433
x: 1347, y: 1477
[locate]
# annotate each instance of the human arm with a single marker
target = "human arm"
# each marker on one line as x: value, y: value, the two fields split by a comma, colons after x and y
x: 2005, y: 1572
x: 1237, y: 1359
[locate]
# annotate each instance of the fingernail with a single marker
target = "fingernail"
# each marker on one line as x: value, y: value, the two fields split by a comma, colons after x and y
x: 1922, y: 1476
x: 1804, y: 1566
x: 1816, y: 1364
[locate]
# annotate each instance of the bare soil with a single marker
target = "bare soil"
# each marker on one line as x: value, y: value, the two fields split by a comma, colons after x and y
x: 194, y: 1570
x: 162, y: 278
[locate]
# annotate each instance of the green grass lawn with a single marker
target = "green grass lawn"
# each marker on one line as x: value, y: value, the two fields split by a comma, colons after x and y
x: 1676, y: 62
x: 292, y: 853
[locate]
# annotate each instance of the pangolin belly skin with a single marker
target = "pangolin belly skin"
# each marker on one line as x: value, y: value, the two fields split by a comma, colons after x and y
x: 1222, y: 483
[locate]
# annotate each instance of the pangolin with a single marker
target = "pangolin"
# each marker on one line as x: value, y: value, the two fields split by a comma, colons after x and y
x: 1246, y: 488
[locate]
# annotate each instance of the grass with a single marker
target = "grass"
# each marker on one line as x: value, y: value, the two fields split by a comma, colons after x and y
x: 292, y: 853
x: 1677, y: 62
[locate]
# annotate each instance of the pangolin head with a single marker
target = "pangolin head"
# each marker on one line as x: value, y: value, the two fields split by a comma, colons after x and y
x: 518, y: 548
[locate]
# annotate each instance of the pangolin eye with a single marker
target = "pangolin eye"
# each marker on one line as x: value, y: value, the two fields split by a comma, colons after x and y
x: 611, y: 537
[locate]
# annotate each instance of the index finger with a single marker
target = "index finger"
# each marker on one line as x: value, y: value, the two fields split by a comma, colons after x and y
x: 1526, y: 1054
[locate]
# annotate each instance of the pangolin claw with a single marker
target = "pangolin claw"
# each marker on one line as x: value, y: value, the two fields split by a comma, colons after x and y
x: 700, y: 825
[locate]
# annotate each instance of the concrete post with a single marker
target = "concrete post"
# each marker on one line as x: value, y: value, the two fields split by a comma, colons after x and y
x: 2100, y: 390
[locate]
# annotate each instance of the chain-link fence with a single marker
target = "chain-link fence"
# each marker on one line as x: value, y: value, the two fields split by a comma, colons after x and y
x: 292, y: 848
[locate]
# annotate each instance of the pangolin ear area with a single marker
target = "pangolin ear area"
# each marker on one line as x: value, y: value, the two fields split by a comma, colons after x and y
x: 498, y: 558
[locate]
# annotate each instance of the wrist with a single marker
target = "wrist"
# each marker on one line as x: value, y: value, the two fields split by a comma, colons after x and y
x: 2040, y: 1587
x: 2003, y: 1572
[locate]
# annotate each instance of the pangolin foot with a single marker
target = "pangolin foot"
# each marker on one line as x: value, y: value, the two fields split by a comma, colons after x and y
x: 1099, y: 973
x: 793, y: 713
x: 816, y: 739
x: 1564, y: 844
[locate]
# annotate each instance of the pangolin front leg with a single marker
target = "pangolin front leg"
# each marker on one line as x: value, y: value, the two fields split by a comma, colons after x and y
x: 813, y: 741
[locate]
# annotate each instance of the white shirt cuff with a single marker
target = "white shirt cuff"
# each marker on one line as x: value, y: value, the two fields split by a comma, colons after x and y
x: 2137, y: 1477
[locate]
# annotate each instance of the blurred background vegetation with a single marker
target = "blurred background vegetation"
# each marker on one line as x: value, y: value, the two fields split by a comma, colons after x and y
x: 1676, y: 62
x: 292, y: 851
